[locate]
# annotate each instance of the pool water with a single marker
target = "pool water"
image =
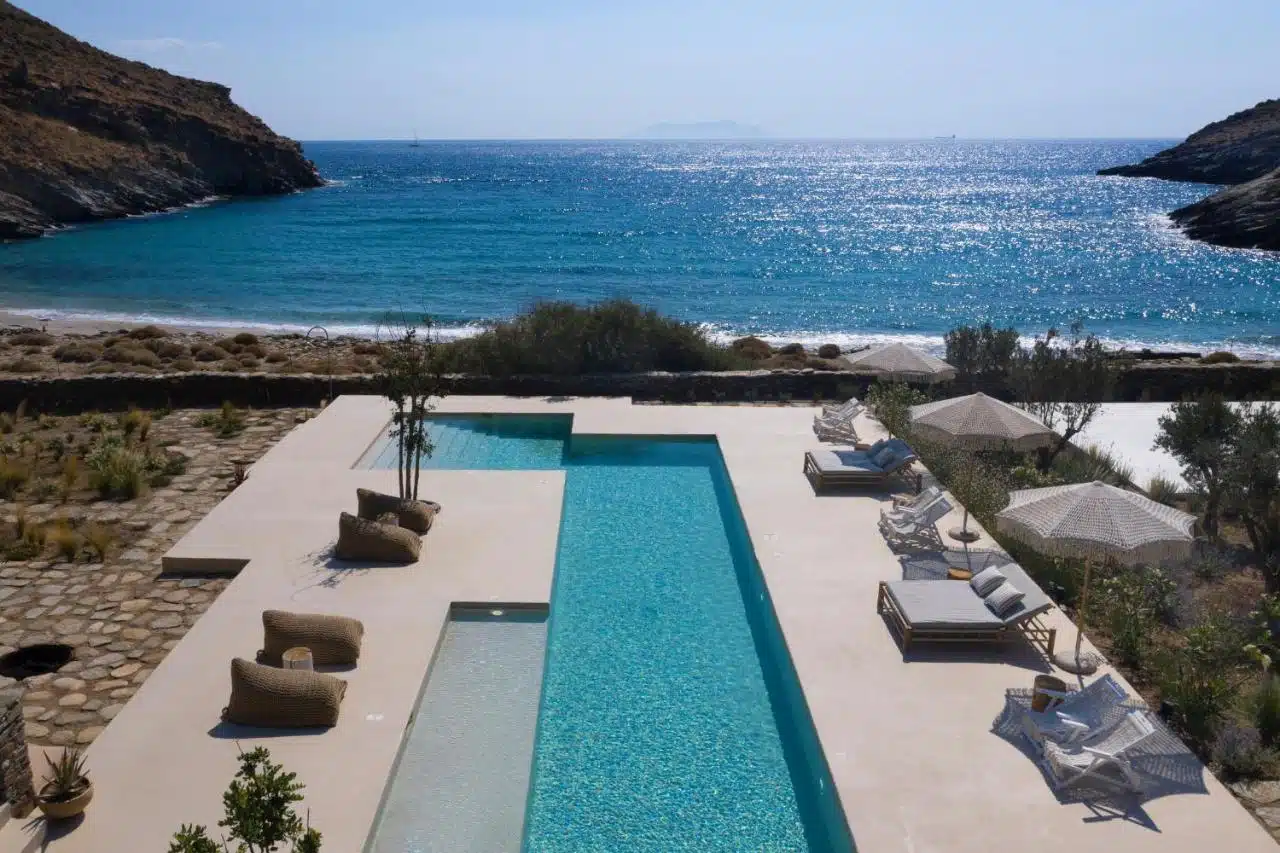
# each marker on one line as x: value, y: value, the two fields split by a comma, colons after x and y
x: 667, y: 722
x: 492, y: 442
x: 671, y: 718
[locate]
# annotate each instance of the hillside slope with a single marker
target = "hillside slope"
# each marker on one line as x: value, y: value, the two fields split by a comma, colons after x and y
x: 87, y: 135
x: 1240, y: 148
x: 1245, y: 216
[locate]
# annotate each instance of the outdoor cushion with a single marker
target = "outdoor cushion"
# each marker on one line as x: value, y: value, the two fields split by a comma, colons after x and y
x: 282, y: 698
x: 884, y: 457
x: 843, y: 461
x: 1002, y: 599
x: 1034, y: 601
x: 414, y: 515
x: 331, y: 639
x: 941, y: 604
x: 986, y: 580
x: 373, y: 541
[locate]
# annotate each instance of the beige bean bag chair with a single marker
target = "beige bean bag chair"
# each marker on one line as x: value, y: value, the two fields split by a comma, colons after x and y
x: 282, y: 698
x: 414, y: 515
x: 331, y: 639
x: 375, y: 541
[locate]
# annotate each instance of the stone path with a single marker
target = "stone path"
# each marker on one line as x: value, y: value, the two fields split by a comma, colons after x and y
x: 121, y: 616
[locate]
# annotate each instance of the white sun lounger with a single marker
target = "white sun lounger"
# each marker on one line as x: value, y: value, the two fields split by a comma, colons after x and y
x: 1069, y: 764
x: 1077, y: 714
x: 836, y: 468
x: 846, y: 411
x: 912, y: 523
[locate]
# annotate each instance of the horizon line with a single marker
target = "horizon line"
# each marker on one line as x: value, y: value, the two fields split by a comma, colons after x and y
x: 438, y: 139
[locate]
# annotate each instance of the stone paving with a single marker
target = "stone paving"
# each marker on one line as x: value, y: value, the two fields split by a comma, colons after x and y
x: 122, y: 617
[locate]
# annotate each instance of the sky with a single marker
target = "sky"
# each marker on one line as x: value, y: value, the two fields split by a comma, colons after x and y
x: 507, y: 69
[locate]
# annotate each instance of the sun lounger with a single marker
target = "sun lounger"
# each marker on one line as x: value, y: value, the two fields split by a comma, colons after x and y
x: 910, y: 522
x: 847, y: 410
x: 1076, y: 714
x: 910, y: 503
x: 950, y: 611
x: 837, y: 468
x: 1107, y: 750
x: 835, y: 432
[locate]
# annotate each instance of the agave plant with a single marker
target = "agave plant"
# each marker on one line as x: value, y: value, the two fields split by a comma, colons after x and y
x: 67, y: 777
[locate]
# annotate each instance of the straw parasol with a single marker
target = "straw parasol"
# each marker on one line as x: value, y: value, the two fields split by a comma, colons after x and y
x: 901, y: 362
x: 1091, y: 521
x: 979, y: 422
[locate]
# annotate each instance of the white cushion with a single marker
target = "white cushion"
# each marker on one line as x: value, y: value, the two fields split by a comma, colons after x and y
x: 986, y: 581
x: 1003, y: 599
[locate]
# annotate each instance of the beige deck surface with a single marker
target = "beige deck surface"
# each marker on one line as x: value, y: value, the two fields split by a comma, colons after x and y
x: 908, y: 742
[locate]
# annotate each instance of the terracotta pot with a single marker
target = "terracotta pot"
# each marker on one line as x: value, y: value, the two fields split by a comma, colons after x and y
x: 65, y: 808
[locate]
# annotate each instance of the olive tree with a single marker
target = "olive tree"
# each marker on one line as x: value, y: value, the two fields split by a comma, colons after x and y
x: 1253, y: 486
x: 410, y: 379
x: 891, y: 402
x: 1202, y: 435
x: 1063, y: 382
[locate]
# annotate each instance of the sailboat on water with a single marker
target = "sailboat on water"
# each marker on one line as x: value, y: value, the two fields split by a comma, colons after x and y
x: 415, y: 143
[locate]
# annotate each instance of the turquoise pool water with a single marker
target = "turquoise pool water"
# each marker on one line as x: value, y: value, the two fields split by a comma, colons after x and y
x: 671, y: 718
x: 492, y: 442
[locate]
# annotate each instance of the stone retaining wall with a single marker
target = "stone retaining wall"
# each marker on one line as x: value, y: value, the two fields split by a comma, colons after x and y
x: 17, y: 788
x: 1139, y: 382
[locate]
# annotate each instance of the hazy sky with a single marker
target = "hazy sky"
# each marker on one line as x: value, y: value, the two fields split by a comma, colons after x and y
x: 368, y: 69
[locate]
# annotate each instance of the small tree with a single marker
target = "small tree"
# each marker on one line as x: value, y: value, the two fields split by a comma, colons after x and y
x: 1252, y: 487
x: 979, y: 487
x: 1202, y: 434
x: 1063, y: 384
x: 410, y: 380
x: 891, y: 402
x: 259, y: 813
x: 980, y: 350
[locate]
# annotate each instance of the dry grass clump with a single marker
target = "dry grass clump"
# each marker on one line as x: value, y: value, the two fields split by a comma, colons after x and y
x: 207, y: 353
x: 148, y: 333
x: 166, y: 348
x: 247, y: 339
x: 31, y: 339
x: 368, y: 348
x: 14, y: 474
x: 66, y: 542
x: 1220, y: 357
x: 130, y: 353
x: 276, y: 357
x: 751, y: 348
x: 248, y: 361
x: 26, y: 364
x: 183, y: 364
x: 78, y: 352
x: 98, y: 540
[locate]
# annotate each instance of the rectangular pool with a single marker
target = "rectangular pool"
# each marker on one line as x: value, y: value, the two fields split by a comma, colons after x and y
x: 486, y: 441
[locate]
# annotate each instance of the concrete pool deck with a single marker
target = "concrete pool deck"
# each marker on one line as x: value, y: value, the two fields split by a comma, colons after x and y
x: 908, y: 742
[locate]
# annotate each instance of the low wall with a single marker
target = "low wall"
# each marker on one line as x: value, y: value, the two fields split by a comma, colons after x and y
x: 1140, y: 382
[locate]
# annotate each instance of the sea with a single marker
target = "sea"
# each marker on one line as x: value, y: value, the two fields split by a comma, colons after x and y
x: 847, y: 242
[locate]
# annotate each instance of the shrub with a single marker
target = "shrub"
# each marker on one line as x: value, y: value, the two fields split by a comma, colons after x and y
x: 1063, y: 383
x: 1199, y: 680
x: 76, y: 352
x: 116, y: 471
x: 1240, y: 753
x: 1266, y: 709
x: 23, y: 365
x: 369, y: 348
x: 70, y: 477
x: 1163, y: 490
x: 1219, y: 357
x: 99, y: 539
x: 65, y: 541
x: 183, y: 364
x: 246, y: 339
x: 1133, y: 601
x: 204, y: 352
x: 829, y: 351
x: 6, y: 423
x: 976, y: 350
x: 751, y: 348
x: 276, y: 357
x: 1093, y: 463
x: 259, y: 812
x: 891, y: 402
x: 791, y: 349
x: 43, y: 490
x: 167, y: 349
x: 230, y: 366
x: 131, y: 354
x: 225, y: 422
x: 14, y: 474
x: 255, y: 350
x: 248, y: 361
x: 136, y: 421
x: 148, y: 332
x: 231, y: 345
x: 31, y: 339
x: 562, y: 339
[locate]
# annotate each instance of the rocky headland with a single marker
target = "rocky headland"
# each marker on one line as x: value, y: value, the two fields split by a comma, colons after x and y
x: 1242, y: 150
x: 86, y: 135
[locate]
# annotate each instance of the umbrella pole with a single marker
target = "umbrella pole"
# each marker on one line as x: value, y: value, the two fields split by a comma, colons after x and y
x: 1074, y: 664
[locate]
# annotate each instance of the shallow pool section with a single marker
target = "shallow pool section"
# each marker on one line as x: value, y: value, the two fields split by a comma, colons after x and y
x: 485, y: 442
x: 671, y: 717
x: 461, y: 782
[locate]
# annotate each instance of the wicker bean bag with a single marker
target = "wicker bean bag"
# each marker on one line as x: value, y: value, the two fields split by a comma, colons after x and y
x: 282, y: 698
x: 331, y: 639
x: 415, y: 515
x: 375, y: 542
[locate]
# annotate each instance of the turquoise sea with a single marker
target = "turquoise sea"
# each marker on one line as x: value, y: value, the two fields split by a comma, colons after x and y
x: 845, y: 242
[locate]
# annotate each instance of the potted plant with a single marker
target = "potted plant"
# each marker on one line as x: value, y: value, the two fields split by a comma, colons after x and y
x: 68, y: 790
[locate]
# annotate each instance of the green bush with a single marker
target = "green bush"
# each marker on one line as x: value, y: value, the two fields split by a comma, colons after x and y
x: 562, y: 339
x: 1240, y: 753
x: 1266, y: 709
x: 751, y: 348
x: 116, y: 470
x: 891, y: 403
x: 829, y: 351
x: 1132, y: 603
x: 976, y: 350
x: 791, y: 349
x: 1219, y: 357
x: 1162, y: 490
x: 1200, y: 680
x: 1090, y: 464
x: 146, y: 333
x: 79, y: 353
x: 225, y: 422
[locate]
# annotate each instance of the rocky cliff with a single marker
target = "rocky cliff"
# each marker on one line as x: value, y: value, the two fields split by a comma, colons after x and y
x: 1239, y: 148
x: 1246, y: 216
x: 87, y: 135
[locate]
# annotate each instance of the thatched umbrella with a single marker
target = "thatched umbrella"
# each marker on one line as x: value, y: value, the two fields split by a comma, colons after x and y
x: 1095, y: 520
x: 903, y: 363
x: 979, y: 422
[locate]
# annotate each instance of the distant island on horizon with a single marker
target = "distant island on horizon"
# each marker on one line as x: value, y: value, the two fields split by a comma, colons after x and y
x: 700, y: 130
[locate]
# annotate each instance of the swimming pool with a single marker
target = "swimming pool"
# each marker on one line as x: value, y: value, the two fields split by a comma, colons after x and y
x: 671, y: 717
